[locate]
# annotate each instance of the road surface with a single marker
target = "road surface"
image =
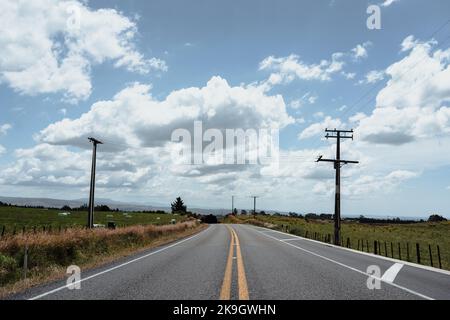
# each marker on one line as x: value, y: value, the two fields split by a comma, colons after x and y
x: 247, y: 262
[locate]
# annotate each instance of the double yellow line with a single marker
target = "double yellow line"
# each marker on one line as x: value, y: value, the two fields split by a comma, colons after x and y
x: 225, y: 292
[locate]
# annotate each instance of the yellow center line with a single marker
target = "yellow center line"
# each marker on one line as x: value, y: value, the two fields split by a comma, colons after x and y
x: 225, y: 292
x: 242, y: 279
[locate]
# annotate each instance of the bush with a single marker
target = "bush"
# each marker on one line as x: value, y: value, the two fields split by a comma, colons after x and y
x: 436, y: 218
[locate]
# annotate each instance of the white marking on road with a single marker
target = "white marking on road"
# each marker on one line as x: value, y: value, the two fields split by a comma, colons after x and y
x: 411, y: 264
x: 291, y: 239
x: 118, y: 266
x: 391, y: 273
x: 348, y: 267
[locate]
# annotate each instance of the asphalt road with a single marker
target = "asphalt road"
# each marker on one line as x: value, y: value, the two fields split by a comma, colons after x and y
x: 247, y: 262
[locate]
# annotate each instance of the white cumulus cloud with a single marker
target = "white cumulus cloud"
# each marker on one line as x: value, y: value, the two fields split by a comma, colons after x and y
x: 50, y: 46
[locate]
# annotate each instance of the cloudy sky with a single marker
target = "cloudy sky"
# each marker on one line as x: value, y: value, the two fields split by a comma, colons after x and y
x: 131, y: 72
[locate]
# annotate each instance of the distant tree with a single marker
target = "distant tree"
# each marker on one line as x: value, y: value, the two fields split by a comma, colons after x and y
x: 263, y: 213
x: 312, y: 216
x: 244, y: 212
x: 178, y: 206
x: 235, y: 212
x: 211, y: 219
x: 66, y: 208
x: 325, y: 216
x: 102, y: 208
x: 83, y: 207
x: 436, y: 218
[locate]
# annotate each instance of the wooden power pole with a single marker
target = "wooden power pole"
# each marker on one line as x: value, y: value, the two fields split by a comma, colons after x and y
x: 95, y: 142
x: 338, y: 162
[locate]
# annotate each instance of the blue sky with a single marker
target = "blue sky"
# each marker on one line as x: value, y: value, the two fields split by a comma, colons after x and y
x: 176, y: 48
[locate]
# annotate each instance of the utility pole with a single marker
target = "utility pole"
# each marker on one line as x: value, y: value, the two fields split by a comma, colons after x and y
x: 94, y: 142
x: 338, y: 162
x: 232, y: 205
x: 254, y: 204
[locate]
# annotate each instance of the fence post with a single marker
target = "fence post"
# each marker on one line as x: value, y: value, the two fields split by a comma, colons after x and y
x: 3, y: 231
x: 375, y: 247
x: 306, y: 234
x: 23, y: 230
x: 25, y: 262
x: 399, y: 251
x: 392, y: 250
x: 407, y: 251
x: 358, y: 244
x: 348, y: 242
x: 439, y: 257
x: 385, y: 249
x: 418, y: 253
x: 431, y: 255
x: 368, y: 248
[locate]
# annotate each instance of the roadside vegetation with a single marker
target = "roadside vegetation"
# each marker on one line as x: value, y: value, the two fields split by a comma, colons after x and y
x: 50, y: 253
x: 50, y: 240
x: 398, y: 240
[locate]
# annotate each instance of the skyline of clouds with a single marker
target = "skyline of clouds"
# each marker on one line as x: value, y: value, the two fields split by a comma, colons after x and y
x: 54, y: 45
x: 136, y: 122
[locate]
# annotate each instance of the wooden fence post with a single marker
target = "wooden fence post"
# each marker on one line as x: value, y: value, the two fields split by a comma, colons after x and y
x: 418, y: 252
x: 3, y: 231
x: 25, y: 262
x: 375, y: 247
x: 399, y: 251
x: 407, y: 251
x: 368, y: 248
x: 439, y: 257
x: 431, y: 255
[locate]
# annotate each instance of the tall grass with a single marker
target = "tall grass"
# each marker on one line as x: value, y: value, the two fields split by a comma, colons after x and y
x: 51, y: 251
x: 394, y: 235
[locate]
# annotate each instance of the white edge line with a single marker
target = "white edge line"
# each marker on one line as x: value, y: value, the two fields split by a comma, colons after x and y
x: 392, y: 272
x: 351, y: 268
x: 117, y: 267
x: 411, y: 264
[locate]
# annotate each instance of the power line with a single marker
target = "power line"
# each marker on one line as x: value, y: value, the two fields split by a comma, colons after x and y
x: 378, y: 85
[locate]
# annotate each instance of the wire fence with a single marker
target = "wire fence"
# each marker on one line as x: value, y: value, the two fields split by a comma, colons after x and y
x: 417, y: 252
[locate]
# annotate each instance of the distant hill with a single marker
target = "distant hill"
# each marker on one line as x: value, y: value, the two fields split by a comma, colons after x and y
x: 123, y: 206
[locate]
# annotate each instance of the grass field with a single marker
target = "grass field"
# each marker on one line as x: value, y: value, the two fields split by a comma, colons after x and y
x: 15, y: 217
x: 388, y: 236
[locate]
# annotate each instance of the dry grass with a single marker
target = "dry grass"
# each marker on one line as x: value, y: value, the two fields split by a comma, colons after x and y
x: 49, y: 254
x: 388, y: 236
